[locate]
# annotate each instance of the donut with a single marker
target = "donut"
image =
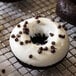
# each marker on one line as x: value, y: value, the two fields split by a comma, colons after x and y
x: 39, y: 42
x: 66, y: 9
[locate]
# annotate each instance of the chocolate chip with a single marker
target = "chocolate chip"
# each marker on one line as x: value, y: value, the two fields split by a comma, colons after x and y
x: 39, y: 51
x: 18, y: 25
x: 3, y: 70
x: 13, y: 36
x: 28, y: 41
x: 38, y: 21
x: 37, y: 17
x: 52, y: 47
x: 53, y: 51
x: 51, y: 34
x: 41, y: 48
x: 20, y: 32
x: 46, y: 48
x: 21, y: 43
x: 30, y: 56
x: 63, y: 26
x: 53, y: 42
x: 18, y: 35
x: 25, y: 24
x: 61, y: 36
x: 16, y: 39
x: 59, y: 26
x: 65, y: 29
x: 26, y: 30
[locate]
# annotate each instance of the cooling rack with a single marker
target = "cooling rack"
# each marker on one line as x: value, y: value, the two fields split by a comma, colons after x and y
x: 10, y: 15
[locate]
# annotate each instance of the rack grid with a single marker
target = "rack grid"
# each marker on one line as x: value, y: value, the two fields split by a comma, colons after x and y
x: 10, y: 15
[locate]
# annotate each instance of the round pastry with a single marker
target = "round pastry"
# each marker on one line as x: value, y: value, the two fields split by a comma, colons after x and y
x: 39, y: 42
x: 66, y: 9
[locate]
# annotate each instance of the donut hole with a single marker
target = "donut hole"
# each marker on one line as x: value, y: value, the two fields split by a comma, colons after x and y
x: 73, y: 1
x: 39, y: 39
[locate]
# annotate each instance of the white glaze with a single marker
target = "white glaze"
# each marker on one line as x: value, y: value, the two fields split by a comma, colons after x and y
x: 46, y: 58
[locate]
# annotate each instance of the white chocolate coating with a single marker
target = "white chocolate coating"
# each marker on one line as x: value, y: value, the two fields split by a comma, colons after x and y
x: 46, y: 58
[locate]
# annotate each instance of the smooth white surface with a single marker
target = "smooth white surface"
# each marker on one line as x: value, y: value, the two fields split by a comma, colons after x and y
x: 46, y: 58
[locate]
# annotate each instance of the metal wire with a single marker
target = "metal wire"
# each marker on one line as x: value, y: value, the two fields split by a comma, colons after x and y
x: 10, y: 15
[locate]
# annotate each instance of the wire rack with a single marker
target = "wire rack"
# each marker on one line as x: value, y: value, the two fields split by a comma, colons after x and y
x: 10, y: 15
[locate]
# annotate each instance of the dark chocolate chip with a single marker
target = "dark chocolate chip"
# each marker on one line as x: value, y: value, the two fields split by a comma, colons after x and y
x: 53, y: 51
x: 51, y: 34
x: 20, y: 32
x: 41, y: 48
x: 16, y: 39
x: 30, y: 56
x: 21, y: 43
x: 53, y: 42
x: 52, y: 47
x: 65, y: 29
x: 26, y: 30
x: 59, y: 26
x: 61, y: 36
x: 28, y: 41
x: 63, y: 26
x: 18, y: 26
x: 37, y: 17
x: 26, y: 22
x: 38, y: 21
x: 46, y: 48
x: 3, y: 71
x: 24, y: 25
x: 18, y: 35
x: 13, y: 36
x: 39, y: 51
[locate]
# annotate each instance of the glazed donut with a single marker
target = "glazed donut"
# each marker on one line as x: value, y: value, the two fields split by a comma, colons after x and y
x: 39, y: 42
x: 66, y: 9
